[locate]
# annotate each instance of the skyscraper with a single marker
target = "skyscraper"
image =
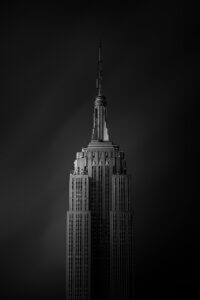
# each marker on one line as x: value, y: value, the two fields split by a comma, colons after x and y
x: 99, y: 246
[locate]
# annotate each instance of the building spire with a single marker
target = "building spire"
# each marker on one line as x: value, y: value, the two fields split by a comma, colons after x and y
x: 100, y: 131
x: 100, y: 74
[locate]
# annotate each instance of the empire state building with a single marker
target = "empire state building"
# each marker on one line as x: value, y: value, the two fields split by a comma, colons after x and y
x: 99, y: 241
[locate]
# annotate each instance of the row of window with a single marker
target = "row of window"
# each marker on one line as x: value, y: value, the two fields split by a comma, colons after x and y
x: 79, y: 196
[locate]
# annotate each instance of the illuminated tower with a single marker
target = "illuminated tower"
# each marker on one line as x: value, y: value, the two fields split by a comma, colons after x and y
x: 100, y: 216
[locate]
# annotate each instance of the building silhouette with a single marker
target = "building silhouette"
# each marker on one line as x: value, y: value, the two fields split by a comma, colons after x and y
x: 99, y: 246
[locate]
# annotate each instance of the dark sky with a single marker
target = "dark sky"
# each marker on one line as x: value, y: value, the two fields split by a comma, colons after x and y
x: 48, y: 70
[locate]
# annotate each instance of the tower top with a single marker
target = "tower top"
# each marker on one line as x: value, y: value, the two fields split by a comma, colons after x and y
x: 100, y: 73
x: 100, y: 131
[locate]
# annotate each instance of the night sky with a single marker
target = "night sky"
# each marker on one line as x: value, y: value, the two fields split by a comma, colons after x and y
x: 48, y: 73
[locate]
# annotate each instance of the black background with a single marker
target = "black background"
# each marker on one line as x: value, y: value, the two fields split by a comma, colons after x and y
x: 48, y: 70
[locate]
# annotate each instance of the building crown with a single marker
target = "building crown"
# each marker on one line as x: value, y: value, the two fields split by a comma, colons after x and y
x: 100, y: 131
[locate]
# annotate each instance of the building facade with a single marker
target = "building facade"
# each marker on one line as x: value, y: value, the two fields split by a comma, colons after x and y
x: 99, y: 245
